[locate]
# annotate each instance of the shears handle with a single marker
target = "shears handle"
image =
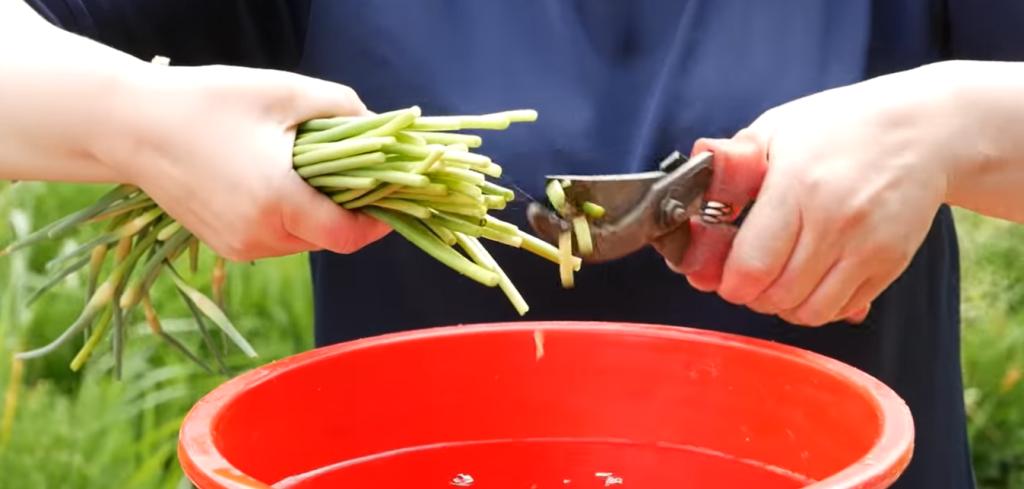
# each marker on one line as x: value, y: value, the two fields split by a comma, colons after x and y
x: 738, y: 170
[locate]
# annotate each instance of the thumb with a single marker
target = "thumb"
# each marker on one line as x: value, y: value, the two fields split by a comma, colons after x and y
x: 316, y: 219
x: 306, y: 98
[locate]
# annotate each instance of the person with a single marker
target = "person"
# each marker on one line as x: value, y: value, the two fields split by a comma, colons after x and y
x: 876, y: 117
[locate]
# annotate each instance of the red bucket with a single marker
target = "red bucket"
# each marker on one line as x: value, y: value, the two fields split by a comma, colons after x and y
x: 549, y: 405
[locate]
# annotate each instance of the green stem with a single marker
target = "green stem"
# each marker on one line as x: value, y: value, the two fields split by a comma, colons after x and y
x: 446, y: 138
x: 456, y: 224
x: 347, y: 182
x: 581, y: 228
x: 471, y: 159
x: 493, y: 189
x: 342, y: 149
x: 452, y: 198
x: 118, y: 339
x: 459, y: 186
x: 463, y: 209
x: 397, y: 123
x: 409, y: 138
x: 556, y: 195
x: 97, y: 334
x: 57, y: 278
x: 520, y: 115
x: 495, y: 202
x: 102, y: 240
x: 340, y: 165
x: 461, y: 174
x: 476, y: 250
x: 496, y: 235
x: 405, y: 207
x: 433, y: 189
x: 494, y: 222
x: 347, y: 195
x: 593, y: 210
x: 391, y: 176
x: 372, y: 197
x: 442, y: 232
x: 543, y: 249
x: 347, y: 129
x: 204, y: 332
x: 421, y: 236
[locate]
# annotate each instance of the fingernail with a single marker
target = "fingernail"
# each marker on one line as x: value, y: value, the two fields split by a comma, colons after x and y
x: 860, y: 316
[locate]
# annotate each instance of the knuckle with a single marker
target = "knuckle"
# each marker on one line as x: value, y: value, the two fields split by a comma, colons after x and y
x: 753, y: 272
x: 350, y: 95
x: 812, y: 315
x: 856, y: 215
x: 346, y: 244
x: 231, y: 252
x: 782, y: 297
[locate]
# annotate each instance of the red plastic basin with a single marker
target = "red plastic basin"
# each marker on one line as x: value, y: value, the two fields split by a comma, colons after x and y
x: 549, y: 405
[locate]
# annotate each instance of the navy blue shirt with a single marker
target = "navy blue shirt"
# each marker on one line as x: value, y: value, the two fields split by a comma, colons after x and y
x: 618, y: 85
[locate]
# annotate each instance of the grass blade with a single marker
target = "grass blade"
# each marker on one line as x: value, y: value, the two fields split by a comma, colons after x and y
x: 210, y: 310
x: 118, y: 339
x: 154, y: 325
x: 204, y: 333
x: 97, y: 334
x: 56, y: 279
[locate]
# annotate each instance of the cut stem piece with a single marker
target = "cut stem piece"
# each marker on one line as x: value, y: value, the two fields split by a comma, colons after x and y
x: 593, y: 210
x: 565, y: 265
x: 582, y: 230
x: 556, y: 195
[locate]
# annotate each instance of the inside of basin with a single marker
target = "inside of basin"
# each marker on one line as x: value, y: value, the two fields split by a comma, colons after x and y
x: 549, y: 407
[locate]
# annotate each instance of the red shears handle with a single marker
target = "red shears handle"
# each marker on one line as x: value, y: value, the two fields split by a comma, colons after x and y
x: 739, y: 168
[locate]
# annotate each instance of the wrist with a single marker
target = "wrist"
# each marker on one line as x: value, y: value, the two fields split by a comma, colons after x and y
x: 121, y: 139
x: 958, y: 141
x: 980, y: 101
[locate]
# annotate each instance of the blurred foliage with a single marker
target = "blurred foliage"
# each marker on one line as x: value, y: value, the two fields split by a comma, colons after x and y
x: 993, y: 347
x: 59, y: 429
x: 87, y: 430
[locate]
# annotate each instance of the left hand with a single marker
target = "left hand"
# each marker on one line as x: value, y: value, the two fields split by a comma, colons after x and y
x: 854, y: 178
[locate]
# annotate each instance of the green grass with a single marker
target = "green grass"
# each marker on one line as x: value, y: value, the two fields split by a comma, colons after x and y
x: 88, y: 431
x: 993, y: 347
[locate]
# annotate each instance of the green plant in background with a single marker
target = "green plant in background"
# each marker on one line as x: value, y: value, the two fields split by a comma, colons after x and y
x: 993, y: 347
x: 86, y: 430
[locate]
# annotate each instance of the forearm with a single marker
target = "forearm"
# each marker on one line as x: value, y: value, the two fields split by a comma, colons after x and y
x: 63, y: 100
x: 989, y: 98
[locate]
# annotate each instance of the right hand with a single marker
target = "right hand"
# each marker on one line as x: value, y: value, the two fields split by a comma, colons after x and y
x: 213, y: 147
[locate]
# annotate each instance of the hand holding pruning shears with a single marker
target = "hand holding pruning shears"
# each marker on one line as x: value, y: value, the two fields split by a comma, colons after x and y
x: 844, y: 183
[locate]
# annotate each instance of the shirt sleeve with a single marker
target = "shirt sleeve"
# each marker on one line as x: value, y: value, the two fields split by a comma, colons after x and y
x: 263, y: 34
x: 987, y: 30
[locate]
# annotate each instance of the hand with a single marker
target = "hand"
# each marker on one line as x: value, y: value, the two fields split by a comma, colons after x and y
x: 213, y: 147
x: 855, y: 176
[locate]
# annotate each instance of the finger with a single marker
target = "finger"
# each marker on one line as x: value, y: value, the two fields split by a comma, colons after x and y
x: 306, y: 98
x: 312, y: 217
x: 704, y: 259
x: 763, y: 244
x: 858, y: 316
x: 804, y: 271
x: 865, y: 294
x: 739, y: 168
x: 827, y: 299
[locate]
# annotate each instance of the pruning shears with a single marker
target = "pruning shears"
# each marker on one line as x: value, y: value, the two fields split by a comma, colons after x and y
x: 689, y: 209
